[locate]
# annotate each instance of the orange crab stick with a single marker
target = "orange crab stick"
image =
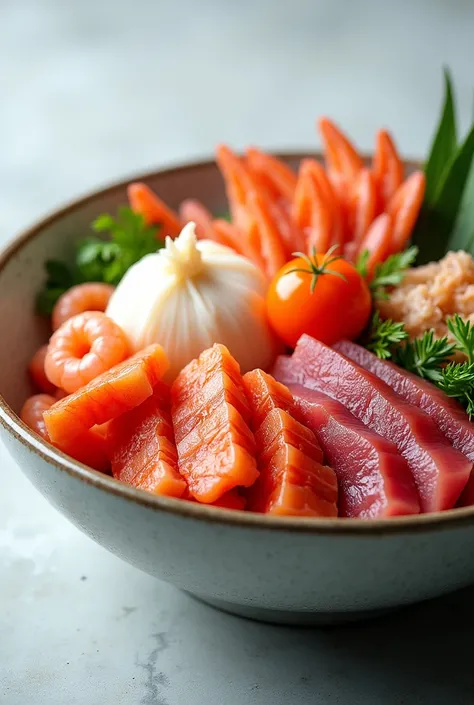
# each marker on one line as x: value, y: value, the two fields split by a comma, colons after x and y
x: 404, y: 207
x: 362, y: 204
x: 377, y: 241
x: 342, y: 159
x: 387, y: 168
x: 155, y: 211
x: 273, y: 173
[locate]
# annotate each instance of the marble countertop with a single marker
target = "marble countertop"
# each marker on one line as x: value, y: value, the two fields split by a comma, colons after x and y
x: 94, y: 91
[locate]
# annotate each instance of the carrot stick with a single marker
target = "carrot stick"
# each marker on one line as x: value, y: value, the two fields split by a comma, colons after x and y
x: 377, y: 241
x: 271, y: 246
x: 238, y: 182
x: 155, y: 212
x: 195, y: 211
x: 342, y: 159
x: 404, y: 207
x: 362, y: 204
x: 387, y: 168
x: 272, y: 173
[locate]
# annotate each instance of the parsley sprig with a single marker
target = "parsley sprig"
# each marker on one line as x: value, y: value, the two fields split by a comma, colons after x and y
x: 384, y: 335
x: 430, y: 357
x: 387, y: 274
x: 125, y: 240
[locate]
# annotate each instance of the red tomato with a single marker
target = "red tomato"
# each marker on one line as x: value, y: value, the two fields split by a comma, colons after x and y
x: 322, y: 295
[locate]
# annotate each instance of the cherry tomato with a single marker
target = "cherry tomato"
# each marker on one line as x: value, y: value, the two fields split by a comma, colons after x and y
x: 322, y: 295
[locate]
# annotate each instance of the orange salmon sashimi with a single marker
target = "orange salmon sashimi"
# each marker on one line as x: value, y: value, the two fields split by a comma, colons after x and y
x: 109, y: 395
x: 293, y: 481
x: 142, y: 448
x: 216, y: 454
x: 90, y: 447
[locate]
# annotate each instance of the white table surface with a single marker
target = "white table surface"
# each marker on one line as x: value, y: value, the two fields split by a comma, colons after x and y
x: 92, y: 91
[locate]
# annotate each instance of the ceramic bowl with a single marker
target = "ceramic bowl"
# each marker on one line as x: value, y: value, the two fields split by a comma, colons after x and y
x: 298, y: 571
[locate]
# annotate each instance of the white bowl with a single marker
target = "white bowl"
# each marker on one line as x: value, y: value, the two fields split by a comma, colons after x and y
x: 298, y: 571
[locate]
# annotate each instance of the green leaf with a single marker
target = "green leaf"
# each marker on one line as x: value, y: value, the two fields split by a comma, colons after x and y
x: 424, y: 356
x: 391, y: 272
x: 462, y: 235
x: 47, y: 298
x: 436, y: 222
x: 361, y: 264
x: 58, y: 273
x: 444, y: 143
x: 103, y: 223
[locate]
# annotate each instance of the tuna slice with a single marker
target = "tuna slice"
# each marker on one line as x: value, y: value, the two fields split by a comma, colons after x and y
x: 440, y: 471
x: 374, y: 480
x: 293, y: 481
x: 447, y: 414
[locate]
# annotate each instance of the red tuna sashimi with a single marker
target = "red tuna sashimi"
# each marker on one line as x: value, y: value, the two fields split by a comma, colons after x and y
x: 292, y: 479
x: 440, y: 471
x: 216, y: 448
x: 447, y: 414
x: 374, y: 480
x: 142, y: 447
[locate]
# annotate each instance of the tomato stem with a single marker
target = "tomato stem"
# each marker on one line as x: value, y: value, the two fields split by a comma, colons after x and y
x: 316, y: 269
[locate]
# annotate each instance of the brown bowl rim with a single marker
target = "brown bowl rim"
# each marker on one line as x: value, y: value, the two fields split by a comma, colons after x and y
x: 451, y: 519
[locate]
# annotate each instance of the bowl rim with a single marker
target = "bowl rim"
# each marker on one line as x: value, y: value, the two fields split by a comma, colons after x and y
x: 449, y: 519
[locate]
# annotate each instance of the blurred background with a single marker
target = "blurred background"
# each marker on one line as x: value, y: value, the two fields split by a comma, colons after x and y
x: 96, y: 89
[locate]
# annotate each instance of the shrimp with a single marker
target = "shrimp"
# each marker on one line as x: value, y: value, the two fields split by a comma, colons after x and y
x: 92, y: 296
x: 84, y: 347
x: 37, y: 373
x: 33, y: 410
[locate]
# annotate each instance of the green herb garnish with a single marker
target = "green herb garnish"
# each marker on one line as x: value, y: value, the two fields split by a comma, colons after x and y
x: 463, y: 332
x: 126, y: 240
x: 384, y: 335
x: 388, y: 273
x: 425, y: 356
x: 457, y: 381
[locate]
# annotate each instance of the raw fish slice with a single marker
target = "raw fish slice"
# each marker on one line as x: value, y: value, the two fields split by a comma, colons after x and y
x: 210, y: 457
x: 292, y: 479
x: 440, y: 472
x: 264, y: 394
x: 142, y: 449
x: 112, y: 393
x: 447, y: 414
x: 279, y: 428
x: 225, y: 419
x: 374, y: 480
x: 187, y: 415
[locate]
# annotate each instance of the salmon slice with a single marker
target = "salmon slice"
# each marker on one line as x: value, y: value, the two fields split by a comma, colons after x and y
x: 264, y: 393
x: 374, y: 480
x: 211, y: 457
x: 142, y: 448
x: 109, y: 395
x: 224, y: 419
x: 279, y: 429
x: 292, y: 479
x: 231, y: 500
x: 89, y: 448
x: 440, y: 472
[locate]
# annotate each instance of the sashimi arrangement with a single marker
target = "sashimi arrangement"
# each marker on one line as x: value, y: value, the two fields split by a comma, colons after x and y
x: 297, y: 357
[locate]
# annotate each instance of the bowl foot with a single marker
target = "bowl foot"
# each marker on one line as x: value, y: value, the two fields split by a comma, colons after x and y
x: 289, y: 618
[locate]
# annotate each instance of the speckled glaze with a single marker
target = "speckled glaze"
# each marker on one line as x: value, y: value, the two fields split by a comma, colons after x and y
x: 280, y: 570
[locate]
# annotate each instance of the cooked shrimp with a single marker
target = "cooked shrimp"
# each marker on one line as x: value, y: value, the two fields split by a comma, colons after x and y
x: 82, y: 348
x: 37, y: 373
x: 92, y: 296
x: 33, y: 410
